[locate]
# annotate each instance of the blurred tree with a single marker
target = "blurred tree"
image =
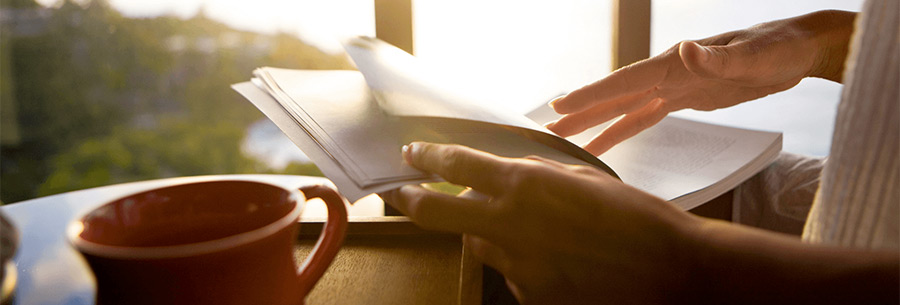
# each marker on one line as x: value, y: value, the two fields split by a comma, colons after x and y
x: 128, y: 154
x: 296, y: 168
x: 101, y: 99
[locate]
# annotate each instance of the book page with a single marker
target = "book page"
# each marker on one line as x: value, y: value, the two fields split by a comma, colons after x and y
x: 340, y: 126
x: 351, y: 126
x: 334, y: 171
x: 404, y: 87
x: 678, y: 157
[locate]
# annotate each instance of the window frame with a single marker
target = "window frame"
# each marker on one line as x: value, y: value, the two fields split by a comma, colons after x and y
x: 630, y: 28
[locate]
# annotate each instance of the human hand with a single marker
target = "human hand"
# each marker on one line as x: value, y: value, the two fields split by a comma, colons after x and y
x: 559, y: 233
x: 707, y: 74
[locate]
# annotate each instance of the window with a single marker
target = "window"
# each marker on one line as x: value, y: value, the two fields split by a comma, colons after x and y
x: 97, y: 92
x: 805, y: 113
x: 529, y: 51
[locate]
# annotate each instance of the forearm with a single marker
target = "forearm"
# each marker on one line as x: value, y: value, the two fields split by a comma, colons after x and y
x: 831, y: 31
x: 738, y: 264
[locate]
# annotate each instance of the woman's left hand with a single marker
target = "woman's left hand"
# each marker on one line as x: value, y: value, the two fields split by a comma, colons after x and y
x: 559, y: 233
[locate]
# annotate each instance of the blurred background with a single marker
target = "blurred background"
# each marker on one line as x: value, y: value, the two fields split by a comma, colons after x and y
x: 96, y: 92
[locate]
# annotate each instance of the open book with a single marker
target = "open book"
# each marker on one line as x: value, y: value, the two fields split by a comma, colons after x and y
x: 352, y: 124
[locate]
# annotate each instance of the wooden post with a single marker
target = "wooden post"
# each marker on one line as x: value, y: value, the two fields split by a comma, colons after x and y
x: 393, y: 23
x: 631, y: 32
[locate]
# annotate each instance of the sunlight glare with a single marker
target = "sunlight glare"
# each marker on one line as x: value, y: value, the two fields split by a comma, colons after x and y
x: 523, y: 52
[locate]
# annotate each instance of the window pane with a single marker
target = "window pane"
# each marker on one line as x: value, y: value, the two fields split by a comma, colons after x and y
x: 527, y: 51
x: 101, y: 92
x: 804, y: 113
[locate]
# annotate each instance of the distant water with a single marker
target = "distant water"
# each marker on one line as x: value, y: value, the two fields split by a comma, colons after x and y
x: 265, y: 142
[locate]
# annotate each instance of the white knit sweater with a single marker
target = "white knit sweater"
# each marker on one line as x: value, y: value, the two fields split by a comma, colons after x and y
x: 858, y: 202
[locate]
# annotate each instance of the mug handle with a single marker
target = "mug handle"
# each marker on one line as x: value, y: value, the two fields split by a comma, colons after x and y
x: 330, y: 239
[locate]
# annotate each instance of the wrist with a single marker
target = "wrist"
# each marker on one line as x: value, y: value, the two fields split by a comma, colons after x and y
x: 689, y: 249
x: 694, y: 252
x: 731, y: 263
x: 831, y: 31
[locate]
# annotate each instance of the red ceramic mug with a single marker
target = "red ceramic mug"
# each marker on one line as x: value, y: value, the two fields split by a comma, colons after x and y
x: 216, y: 242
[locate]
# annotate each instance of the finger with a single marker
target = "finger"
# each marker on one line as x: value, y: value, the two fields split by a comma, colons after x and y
x: 550, y: 162
x: 516, y: 291
x: 473, y: 195
x: 388, y: 196
x: 721, y: 97
x: 626, y: 127
x: 719, y: 62
x: 444, y: 212
x: 633, y: 79
x: 459, y: 164
x: 488, y: 253
x: 575, y: 123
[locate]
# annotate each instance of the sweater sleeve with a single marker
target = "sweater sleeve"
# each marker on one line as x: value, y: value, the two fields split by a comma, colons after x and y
x: 779, y: 197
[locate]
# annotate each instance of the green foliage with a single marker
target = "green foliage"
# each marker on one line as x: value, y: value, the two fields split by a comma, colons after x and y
x: 304, y: 169
x: 102, y: 99
x: 127, y: 154
x: 18, y: 4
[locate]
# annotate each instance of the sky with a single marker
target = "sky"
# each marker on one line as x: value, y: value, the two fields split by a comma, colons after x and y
x: 524, y: 53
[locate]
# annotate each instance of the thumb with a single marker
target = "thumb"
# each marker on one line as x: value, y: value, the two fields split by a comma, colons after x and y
x: 709, y: 61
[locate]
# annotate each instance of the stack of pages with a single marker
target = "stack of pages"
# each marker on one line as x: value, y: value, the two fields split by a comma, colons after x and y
x: 352, y: 125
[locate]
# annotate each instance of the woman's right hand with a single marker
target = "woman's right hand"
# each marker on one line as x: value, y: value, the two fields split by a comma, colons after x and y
x: 708, y: 74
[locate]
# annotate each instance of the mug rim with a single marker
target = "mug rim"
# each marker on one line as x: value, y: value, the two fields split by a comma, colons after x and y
x: 76, y: 227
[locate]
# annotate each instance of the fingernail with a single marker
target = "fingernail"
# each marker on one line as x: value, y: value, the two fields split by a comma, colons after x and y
x: 404, y: 151
x: 410, y: 150
x: 550, y: 125
x: 553, y: 101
